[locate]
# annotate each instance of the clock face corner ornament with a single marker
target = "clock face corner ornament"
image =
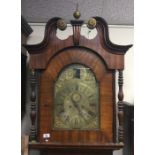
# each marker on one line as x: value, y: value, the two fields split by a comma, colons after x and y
x: 76, y: 99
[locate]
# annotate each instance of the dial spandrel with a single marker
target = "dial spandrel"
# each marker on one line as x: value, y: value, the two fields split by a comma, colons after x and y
x: 76, y: 99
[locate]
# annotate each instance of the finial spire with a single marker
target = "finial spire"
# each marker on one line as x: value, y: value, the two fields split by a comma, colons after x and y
x: 77, y: 6
x: 77, y: 13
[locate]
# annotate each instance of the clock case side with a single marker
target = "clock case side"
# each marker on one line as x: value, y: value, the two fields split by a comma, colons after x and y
x: 112, y: 55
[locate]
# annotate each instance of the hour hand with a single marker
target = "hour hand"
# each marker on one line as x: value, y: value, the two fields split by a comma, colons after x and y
x: 76, y: 98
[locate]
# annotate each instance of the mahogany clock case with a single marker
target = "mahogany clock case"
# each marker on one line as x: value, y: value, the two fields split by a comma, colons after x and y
x: 47, y: 60
x: 46, y: 98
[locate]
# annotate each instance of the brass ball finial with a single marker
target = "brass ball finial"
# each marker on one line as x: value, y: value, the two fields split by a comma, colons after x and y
x: 61, y: 24
x: 77, y: 13
x: 91, y: 23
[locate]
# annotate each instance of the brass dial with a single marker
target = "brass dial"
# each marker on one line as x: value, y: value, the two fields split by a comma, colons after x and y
x: 76, y: 99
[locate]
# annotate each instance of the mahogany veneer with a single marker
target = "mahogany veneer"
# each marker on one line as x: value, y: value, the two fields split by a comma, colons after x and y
x: 47, y: 59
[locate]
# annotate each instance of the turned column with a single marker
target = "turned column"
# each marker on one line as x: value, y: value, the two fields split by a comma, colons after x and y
x: 33, y: 82
x: 120, y: 107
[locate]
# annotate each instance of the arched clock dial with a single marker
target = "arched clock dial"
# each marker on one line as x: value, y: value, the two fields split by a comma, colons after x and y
x: 76, y: 100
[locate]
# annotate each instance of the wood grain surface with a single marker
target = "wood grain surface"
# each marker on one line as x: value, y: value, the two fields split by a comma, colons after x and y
x: 103, y: 57
x: 104, y: 77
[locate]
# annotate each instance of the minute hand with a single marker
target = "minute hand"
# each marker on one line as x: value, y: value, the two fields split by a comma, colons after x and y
x: 81, y: 112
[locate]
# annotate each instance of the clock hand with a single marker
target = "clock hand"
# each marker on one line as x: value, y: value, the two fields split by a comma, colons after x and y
x: 83, y: 113
x: 76, y: 98
x: 77, y: 106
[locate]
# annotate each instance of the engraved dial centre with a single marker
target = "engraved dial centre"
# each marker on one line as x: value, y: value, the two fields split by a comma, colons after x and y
x: 76, y: 97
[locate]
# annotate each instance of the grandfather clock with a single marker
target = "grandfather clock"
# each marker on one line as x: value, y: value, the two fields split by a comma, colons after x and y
x: 73, y: 110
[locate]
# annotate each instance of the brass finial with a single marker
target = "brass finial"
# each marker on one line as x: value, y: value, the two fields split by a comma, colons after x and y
x: 91, y: 23
x: 77, y: 13
x: 61, y: 24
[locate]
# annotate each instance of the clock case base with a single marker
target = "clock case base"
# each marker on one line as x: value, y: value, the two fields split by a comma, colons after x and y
x: 79, y: 149
x: 75, y: 153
